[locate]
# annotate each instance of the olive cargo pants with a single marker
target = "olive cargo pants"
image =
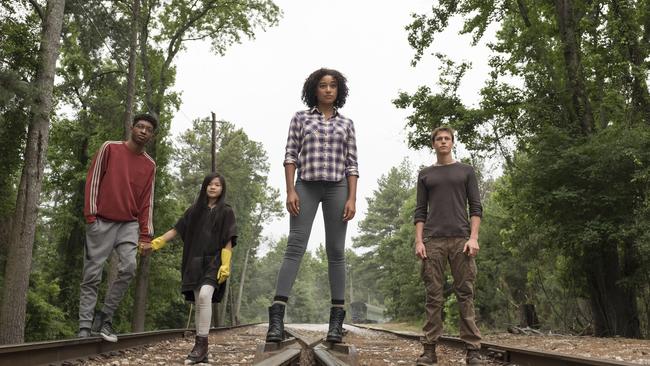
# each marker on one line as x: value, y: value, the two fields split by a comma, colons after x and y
x: 463, y: 269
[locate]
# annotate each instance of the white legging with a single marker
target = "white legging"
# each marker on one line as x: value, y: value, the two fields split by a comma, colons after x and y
x: 203, y: 314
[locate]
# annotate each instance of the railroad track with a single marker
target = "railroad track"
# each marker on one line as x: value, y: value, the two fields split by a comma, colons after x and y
x: 515, y: 356
x: 78, y: 349
x: 299, y: 349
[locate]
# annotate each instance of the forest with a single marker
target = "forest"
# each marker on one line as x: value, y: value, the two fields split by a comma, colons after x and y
x: 565, y: 112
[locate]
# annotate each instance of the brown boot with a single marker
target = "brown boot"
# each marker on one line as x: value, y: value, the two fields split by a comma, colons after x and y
x: 474, y: 357
x: 200, y: 351
x: 428, y: 357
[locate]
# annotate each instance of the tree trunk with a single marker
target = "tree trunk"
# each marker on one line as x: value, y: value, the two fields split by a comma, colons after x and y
x: 5, y: 231
x: 224, y: 304
x: 613, y: 306
x: 636, y: 57
x: 140, y: 300
x: 142, y: 274
x: 241, y: 289
x: 528, y: 316
x: 579, y: 105
x: 71, y: 250
x: 130, y: 81
x: 216, y: 321
x: 19, y: 256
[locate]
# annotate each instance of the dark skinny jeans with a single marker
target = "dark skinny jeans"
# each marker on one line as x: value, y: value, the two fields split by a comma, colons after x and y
x: 333, y: 196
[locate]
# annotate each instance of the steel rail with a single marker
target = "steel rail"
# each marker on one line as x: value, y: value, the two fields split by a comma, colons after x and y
x: 52, y: 352
x: 299, y: 347
x: 325, y: 358
x: 325, y: 353
x: 514, y: 355
x: 289, y: 356
x: 286, y: 352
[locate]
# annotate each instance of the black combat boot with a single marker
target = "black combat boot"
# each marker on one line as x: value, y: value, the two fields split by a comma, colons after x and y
x: 428, y: 357
x: 335, y: 333
x: 276, y: 323
x: 200, y: 351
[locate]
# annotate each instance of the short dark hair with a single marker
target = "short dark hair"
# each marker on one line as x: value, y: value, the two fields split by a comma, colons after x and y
x: 145, y: 117
x: 440, y: 129
x: 311, y: 84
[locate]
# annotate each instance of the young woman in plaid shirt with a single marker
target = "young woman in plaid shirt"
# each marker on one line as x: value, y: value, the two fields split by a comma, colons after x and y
x: 322, y: 148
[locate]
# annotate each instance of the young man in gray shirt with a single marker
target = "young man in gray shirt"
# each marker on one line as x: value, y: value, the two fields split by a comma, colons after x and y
x: 443, y: 232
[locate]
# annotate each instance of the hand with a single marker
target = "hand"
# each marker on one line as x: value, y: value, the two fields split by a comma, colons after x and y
x: 349, y: 210
x: 144, y: 248
x: 224, y: 270
x: 293, y: 203
x: 471, y: 247
x: 158, y: 243
x: 420, y: 250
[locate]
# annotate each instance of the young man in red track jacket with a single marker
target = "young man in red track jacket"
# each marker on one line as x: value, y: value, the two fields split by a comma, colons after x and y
x: 118, y: 210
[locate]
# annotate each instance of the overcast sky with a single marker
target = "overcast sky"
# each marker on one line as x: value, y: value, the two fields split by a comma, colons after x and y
x: 257, y: 85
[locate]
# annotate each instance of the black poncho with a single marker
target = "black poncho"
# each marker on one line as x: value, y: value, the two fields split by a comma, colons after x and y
x: 205, y: 231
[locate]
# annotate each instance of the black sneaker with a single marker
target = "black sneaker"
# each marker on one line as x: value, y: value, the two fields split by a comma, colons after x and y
x: 107, y: 332
x: 83, y: 333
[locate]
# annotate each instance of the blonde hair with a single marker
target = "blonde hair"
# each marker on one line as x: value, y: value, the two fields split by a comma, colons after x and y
x: 440, y: 129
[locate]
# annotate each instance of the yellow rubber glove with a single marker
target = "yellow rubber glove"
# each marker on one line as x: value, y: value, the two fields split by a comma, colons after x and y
x: 158, y: 243
x: 224, y: 270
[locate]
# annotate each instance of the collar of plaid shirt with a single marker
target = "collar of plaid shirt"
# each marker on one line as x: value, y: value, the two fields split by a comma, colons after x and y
x: 316, y: 110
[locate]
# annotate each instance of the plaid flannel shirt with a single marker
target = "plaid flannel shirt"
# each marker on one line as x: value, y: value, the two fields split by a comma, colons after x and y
x: 322, y: 150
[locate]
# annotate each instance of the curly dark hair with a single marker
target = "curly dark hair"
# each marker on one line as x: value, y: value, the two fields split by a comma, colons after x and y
x: 311, y: 85
x: 145, y: 117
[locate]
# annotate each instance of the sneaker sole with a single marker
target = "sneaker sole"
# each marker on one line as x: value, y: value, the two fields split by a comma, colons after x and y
x: 109, y: 338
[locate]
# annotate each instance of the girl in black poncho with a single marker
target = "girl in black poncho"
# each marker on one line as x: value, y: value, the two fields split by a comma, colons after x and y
x: 208, y: 231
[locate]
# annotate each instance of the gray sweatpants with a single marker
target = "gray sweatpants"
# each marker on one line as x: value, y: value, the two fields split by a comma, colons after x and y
x: 333, y: 196
x: 101, y: 238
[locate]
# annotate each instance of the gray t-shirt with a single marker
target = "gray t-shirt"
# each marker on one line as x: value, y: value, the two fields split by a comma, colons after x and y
x: 443, y: 194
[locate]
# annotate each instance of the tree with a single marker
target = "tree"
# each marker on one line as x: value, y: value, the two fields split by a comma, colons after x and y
x: 93, y: 87
x: 244, y: 165
x: 578, y: 82
x: 19, y: 40
x: 12, y: 318
x: 382, y: 223
x: 173, y: 24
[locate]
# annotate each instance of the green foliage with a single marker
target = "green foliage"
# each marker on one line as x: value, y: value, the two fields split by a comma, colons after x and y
x: 259, y: 287
x: 383, y: 222
x: 244, y: 165
x: 567, y: 107
x: 90, y: 95
x: 224, y: 26
x: 309, y: 301
x: 44, y: 319
x: 19, y: 39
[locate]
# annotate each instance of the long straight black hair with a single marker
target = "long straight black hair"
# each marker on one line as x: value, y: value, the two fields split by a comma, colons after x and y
x: 201, y: 204
x: 202, y: 198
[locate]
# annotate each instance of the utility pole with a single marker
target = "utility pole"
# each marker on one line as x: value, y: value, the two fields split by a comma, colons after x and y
x: 214, y: 142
